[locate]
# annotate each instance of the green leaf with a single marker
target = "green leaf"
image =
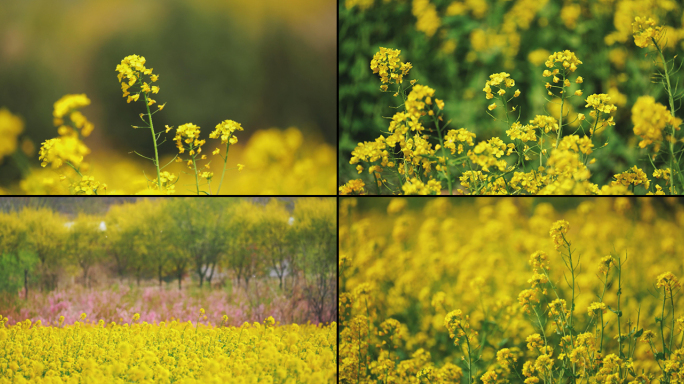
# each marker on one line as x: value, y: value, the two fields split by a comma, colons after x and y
x: 618, y: 313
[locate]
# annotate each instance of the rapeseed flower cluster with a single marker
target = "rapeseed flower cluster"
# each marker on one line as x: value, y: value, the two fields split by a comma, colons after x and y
x: 88, y: 186
x: 535, y: 161
x: 455, y: 138
x: 600, y: 103
x: 502, y: 81
x: 353, y: 187
x: 539, y: 164
x: 225, y: 131
x: 549, y: 295
x: 558, y: 231
x: 188, y: 134
x: 668, y: 281
x: 11, y: 127
x: 415, y: 186
x: 633, y: 177
x: 68, y: 148
x: 417, y: 160
x: 69, y: 105
x: 567, y: 59
x: 277, y: 161
x: 645, y: 31
x: 650, y: 120
x: 521, y: 132
x: 132, y: 76
x: 428, y: 20
x: 90, y: 351
x: 389, y: 67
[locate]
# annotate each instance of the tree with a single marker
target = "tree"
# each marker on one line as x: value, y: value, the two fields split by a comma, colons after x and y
x: 122, y: 236
x: 273, y: 230
x: 15, y: 268
x: 243, y: 247
x: 315, y: 221
x: 155, y: 221
x: 200, y: 223
x: 180, y: 254
x: 45, y: 235
x: 13, y: 247
x: 85, y: 245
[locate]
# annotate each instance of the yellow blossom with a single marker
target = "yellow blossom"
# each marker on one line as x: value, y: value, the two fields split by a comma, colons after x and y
x: 225, y: 131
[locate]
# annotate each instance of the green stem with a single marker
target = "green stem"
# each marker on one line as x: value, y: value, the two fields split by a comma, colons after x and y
x: 358, y: 372
x: 406, y: 136
x: 601, y: 346
x: 605, y: 285
x: 225, y: 162
x: 672, y: 331
x: 541, y: 326
x: 441, y: 144
x: 662, y: 321
x: 619, y: 314
x: 672, y: 111
x: 74, y: 168
x: 572, y: 300
x: 154, y: 139
x: 653, y: 351
x: 78, y: 172
x: 541, y: 148
x: 196, y: 176
x: 572, y: 272
x: 598, y: 116
x: 377, y: 186
x: 560, y: 120
x: 368, y: 334
x: 470, y: 361
x: 519, y: 377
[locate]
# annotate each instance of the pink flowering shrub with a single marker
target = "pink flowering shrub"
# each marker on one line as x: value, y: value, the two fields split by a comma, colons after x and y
x: 120, y: 303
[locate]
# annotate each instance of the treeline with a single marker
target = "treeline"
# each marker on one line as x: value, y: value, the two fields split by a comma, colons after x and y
x: 293, y: 242
x: 68, y: 205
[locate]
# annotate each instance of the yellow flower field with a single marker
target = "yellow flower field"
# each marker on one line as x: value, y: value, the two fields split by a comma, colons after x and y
x: 485, y: 290
x: 173, y: 352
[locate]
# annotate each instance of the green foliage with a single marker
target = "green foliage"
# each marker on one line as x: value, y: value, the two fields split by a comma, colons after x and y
x: 84, y: 244
x: 316, y: 228
x: 282, y: 243
x: 12, y: 269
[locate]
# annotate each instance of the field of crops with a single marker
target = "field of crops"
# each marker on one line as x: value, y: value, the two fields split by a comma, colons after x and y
x: 510, y: 97
x: 168, y: 289
x: 486, y: 290
x: 173, y: 352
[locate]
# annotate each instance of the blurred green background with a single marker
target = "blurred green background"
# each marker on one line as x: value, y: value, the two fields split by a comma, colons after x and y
x: 454, y: 45
x: 263, y: 63
x: 560, y: 204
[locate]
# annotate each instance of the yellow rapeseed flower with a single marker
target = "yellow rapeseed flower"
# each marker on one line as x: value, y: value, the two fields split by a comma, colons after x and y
x: 388, y: 66
x: 645, y: 31
x: 225, y: 131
